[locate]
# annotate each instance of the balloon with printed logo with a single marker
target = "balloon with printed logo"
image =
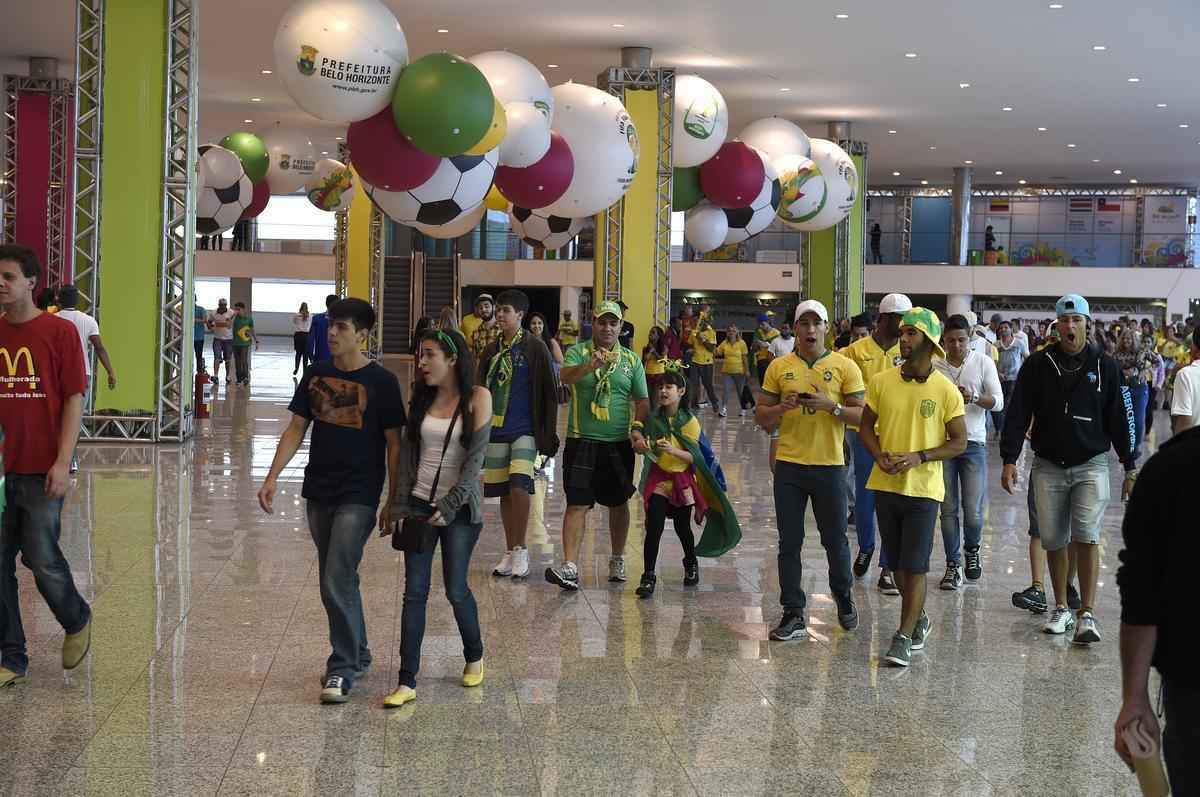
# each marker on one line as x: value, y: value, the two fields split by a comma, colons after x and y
x: 732, y: 177
x: 542, y: 183
x: 251, y: 151
x: 292, y: 159
x: 384, y: 157
x: 513, y: 79
x: 331, y: 187
x: 841, y: 182
x: 456, y: 228
x: 262, y: 195
x: 495, y: 134
x: 705, y: 227
x: 802, y: 188
x: 495, y: 200
x: 340, y: 60
x: 604, y: 142
x: 701, y: 121
x: 444, y: 104
x: 776, y: 137
x: 528, y: 137
x: 685, y: 189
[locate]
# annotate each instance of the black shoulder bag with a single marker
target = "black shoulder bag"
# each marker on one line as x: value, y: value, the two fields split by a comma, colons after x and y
x: 417, y: 534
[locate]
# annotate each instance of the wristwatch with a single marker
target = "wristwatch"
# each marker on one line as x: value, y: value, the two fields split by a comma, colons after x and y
x: 923, y: 456
x: 837, y: 410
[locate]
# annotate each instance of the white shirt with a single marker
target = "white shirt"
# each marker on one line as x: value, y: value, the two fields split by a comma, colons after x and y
x: 222, y: 332
x: 86, y: 326
x: 978, y: 375
x: 781, y: 346
x: 1187, y: 394
x: 301, y: 323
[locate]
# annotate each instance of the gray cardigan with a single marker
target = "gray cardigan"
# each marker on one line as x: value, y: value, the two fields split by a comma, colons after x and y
x: 467, y: 490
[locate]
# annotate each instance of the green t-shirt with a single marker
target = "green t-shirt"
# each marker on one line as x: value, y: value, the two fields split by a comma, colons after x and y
x: 243, y: 327
x: 628, y: 383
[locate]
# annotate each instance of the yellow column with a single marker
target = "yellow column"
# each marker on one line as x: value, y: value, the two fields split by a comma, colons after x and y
x: 358, y: 244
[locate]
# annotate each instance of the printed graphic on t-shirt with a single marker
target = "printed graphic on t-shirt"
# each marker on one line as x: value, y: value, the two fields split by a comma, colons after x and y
x: 339, y: 402
x: 18, y: 374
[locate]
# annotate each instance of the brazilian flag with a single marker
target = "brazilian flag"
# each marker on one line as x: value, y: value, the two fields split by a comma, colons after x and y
x: 721, y: 530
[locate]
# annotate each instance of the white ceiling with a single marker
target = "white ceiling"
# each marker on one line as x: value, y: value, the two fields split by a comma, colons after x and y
x: 1017, y: 53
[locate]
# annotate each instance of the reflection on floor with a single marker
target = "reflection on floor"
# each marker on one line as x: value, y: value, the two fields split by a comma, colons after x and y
x: 210, y: 640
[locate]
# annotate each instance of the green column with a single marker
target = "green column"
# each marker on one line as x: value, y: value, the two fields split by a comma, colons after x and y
x: 822, y: 253
x: 131, y: 212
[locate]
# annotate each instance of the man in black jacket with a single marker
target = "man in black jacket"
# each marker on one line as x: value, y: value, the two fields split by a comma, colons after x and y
x: 1155, y: 583
x: 518, y: 372
x: 1079, y: 406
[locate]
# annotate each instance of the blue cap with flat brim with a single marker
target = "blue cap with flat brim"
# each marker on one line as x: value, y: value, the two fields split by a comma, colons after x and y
x: 1072, y: 304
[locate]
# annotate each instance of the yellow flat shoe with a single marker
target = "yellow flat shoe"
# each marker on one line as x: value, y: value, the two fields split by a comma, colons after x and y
x: 10, y: 678
x: 402, y: 695
x: 473, y: 678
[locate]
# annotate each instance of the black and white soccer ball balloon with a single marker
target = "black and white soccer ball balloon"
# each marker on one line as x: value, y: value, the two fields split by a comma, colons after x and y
x: 540, y: 229
x: 456, y: 189
x: 749, y: 221
x: 225, y: 190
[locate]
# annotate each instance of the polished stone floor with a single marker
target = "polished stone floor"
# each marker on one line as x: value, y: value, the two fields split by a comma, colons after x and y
x: 210, y: 639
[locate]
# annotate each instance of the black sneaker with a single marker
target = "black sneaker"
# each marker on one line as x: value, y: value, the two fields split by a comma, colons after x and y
x: 565, y: 576
x: 691, y: 573
x: 847, y: 612
x: 1031, y: 599
x: 1073, y: 601
x: 336, y: 690
x: 646, y: 587
x: 862, y: 562
x: 887, y: 584
x: 974, y: 570
x: 953, y: 578
x: 789, y: 628
x: 850, y: 519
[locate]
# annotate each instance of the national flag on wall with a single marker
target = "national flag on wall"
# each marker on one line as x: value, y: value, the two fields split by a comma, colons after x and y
x: 1108, y: 206
x: 1081, y: 205
x: 998, y: 206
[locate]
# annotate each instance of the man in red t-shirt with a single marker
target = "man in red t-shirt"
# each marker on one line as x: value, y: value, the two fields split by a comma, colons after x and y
x: 42, y: 381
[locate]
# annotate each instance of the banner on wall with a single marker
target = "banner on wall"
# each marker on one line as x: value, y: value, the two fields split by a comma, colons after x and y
x: 1164, y: 231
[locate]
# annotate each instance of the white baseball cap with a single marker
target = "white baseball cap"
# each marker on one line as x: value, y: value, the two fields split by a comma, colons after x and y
x: 896, y: 303
x: 812, y: 306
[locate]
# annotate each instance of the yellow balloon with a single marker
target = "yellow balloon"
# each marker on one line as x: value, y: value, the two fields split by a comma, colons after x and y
x: 495, y: 134
x: 496, y: 200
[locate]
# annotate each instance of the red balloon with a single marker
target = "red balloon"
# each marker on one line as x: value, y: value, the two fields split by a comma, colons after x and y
x: 544, y: 182
x: 384, y: 157
x: 733, y: 177
x: 262, y: 193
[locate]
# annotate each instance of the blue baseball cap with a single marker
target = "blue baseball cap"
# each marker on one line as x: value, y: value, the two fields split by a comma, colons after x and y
x: 1072, y: 304
x: 763, y: 317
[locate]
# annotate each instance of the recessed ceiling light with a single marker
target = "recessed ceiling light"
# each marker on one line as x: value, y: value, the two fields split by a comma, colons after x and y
x: 1160, y: 105
x: 910, y: 55
x: 785, y: 88
x: 247, y: 121
x: 1095, y: 160
x: 1041, y: 130
x: 924, y: 182
x: 1022, y: 182
x: 266, y: 72
x: 442, y: 30
x: 998, y: 172
x: 1133, y: 179
x: 895, y: 174
x: 337, y: 138
x: 324, y: 152
x: 964, y: 85
x: 552, y: 66
x: 256, y: 99
x: 1070, y: 146
x: 1116, y: 171
x: 1183, y: 126
x: 1133, y: 80
x: 891, y: 132
x: 618, y: 25
x: 841, y: 16
x: 968, y: 162
x: 1056, y: 6
x: 933, y: 147
x: 1006, y: 108
x: 1099, y: 48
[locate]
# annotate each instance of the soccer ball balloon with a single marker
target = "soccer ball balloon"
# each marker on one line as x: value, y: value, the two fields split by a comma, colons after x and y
x: 803, y: 189
x: 459, y: 227
x: 541, y: 230
x: 331, y: 186
x: 749, y: 221
x: 457, y: 188
x: 227, y: 191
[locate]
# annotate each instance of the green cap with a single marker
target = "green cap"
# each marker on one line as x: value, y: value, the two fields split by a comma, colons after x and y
x: 609, y: 308
x: 927, y: 321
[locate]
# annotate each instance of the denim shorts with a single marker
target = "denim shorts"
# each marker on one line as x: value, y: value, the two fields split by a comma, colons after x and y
x: 1070, y: 501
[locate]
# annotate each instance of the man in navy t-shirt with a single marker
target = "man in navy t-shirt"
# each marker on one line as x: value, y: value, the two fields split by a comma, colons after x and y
x: 318, y: 333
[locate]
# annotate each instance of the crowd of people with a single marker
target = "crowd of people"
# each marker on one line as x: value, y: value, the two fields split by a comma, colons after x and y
x: 881, y: 422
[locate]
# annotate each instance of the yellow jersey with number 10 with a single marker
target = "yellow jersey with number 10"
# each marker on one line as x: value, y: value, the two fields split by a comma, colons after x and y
x: 812, y: 437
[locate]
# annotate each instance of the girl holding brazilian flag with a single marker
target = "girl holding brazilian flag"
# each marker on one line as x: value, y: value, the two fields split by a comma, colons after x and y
x: 681, y: 479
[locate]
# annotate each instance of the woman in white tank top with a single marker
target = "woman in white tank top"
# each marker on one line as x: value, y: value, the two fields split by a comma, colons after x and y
x: 438, y: 479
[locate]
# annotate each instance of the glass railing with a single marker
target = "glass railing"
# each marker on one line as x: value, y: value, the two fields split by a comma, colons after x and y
x: 1117, y: 250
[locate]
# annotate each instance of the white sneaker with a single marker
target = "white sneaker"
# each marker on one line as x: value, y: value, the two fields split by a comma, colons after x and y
x: 722, y: 412
x: 616, y: 568
x: 520, y: 562
x: 1086, y: 632
x: 742, y: 413
x: 505, y: 567
x: 1060, y: 621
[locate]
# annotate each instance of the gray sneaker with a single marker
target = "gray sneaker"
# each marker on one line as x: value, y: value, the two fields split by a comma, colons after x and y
x: 900, y: 653
x: 565, y: 576
x: 1086, y: 631
x: 953, y: 578
x: 921, y: 632
x: 616, y: 569
x: 1060, y: 622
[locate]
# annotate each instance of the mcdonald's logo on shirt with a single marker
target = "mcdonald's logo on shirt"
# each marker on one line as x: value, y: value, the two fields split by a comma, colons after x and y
x: 11, y: 363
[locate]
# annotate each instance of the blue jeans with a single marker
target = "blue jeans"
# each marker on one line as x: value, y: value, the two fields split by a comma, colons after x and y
x: 864, y: 502
x: 826, y: 486
x: 968, y: 469
x: 341, y: 531
x: 1140, y: 394
x: 31, y: 528
x: 458, y: 541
